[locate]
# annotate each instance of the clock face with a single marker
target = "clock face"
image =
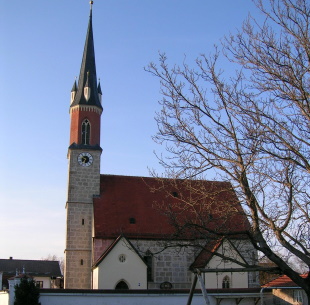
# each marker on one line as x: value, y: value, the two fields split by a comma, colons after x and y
x: 85, y: 159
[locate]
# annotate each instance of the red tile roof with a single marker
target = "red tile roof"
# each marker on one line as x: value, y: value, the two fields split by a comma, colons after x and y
x: 145, y: 207
x: 283, y: 281
x: 206, y: 253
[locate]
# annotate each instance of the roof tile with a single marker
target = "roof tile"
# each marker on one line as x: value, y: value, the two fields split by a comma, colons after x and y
x: 159, y: 206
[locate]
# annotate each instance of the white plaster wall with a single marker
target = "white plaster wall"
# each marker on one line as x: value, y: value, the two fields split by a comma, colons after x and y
x: 237, y: 279
x: 4, y: 298
x: 172, y: 264
x: 110, y: 271
x: 131, y: 299
x: 95, y: 278
x: 46, y: 281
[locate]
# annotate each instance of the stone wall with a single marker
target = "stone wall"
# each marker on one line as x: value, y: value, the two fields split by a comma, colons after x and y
x: 83, y: 184
x: 169, y: 265
x: 172, y: 264
x: 84, y: 181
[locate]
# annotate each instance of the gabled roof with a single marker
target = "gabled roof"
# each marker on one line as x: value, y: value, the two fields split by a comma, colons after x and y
x: 283, y: 281
x: 206, y: 253
x: 109, y: 249
x: 19, y: 276
x: 152, y: 208
x: 9, y: 267
x: 210, y: 249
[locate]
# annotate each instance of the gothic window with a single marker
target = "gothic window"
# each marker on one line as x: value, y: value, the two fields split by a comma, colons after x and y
x: 149, y: 263
x: 121, y: 285
x: 226, y: 282
x: 85, y: 132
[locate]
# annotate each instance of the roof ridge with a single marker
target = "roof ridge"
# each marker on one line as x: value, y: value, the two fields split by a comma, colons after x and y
x: 163, y: 178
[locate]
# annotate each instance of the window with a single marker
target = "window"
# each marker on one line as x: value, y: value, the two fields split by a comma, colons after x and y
x: 83, y: 222
x: 165, y: 285
x: 149, y: 263
x: 121, y: 285
x: 122, y: 258
x: 82, y: 262
x: 85, y: 132
x: 297, y: 295
x: 39, y: 284
x: 226, y: 282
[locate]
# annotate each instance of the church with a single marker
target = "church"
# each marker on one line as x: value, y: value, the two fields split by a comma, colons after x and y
x: 127, y: 232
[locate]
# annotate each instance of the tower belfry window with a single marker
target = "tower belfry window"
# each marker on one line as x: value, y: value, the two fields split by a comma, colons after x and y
x: 85, y: 132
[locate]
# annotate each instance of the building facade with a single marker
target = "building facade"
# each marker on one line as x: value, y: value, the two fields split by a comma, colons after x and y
x: 121, y: 232
x: 46, y: 273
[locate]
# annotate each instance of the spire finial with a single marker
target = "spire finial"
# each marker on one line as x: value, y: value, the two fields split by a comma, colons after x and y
x: 91, y: 9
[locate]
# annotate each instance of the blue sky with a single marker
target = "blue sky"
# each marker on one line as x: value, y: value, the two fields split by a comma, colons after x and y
x: 40, y: 55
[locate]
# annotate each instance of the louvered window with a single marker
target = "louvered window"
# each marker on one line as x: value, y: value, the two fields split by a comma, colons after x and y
x: 85, y: 132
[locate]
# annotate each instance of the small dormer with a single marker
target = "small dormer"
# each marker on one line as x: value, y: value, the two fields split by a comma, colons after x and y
x: 73, y: 92
x: 87, y: 89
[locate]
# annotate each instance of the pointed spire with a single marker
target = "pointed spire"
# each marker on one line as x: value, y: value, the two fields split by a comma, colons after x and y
x: 73, y: 92
x: 99, y: 91
x: 74, y: 87
x: 88, y: 76
x: 99, y: 87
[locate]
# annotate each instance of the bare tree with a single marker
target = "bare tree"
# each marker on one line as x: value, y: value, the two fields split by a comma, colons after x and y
x: 251, y: 129
x: 54, y: 257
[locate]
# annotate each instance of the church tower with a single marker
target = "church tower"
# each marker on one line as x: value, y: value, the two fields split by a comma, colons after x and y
x: 84, y: 168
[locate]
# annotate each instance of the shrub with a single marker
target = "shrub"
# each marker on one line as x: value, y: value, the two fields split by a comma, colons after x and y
x: 26, y: 292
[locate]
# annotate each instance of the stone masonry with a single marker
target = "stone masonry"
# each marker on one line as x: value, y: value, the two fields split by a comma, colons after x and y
x: 172, y: 264
x: 169, y: 265
x: 83, y: 184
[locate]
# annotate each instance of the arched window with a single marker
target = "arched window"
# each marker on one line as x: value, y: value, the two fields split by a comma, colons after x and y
x: 226, y: 282
x: 85, y: 132
x: 148, y: 258
x: 121, y: 285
